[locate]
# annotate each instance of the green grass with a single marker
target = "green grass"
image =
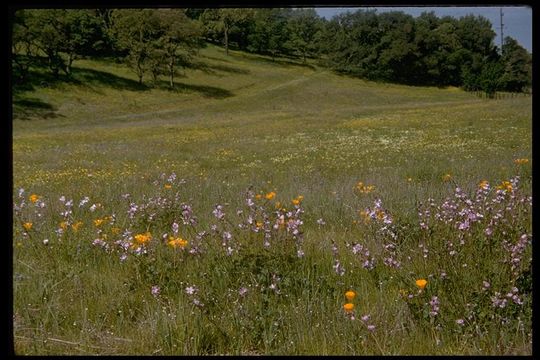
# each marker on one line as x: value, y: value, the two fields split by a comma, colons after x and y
x: 240, y: 121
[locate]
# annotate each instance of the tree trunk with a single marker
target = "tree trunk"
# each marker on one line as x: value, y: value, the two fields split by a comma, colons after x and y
x: 69, y: 63
x: 171, y: 72
x: 53, y: 64
x: 226, y: 40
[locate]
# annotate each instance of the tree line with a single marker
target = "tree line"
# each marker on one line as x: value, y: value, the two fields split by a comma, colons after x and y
x: 389, y: 46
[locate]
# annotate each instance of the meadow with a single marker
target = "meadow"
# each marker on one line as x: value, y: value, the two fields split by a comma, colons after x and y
x: 232, y: 214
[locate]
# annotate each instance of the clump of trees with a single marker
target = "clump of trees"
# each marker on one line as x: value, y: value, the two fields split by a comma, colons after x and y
x: 390, y: 46
x: 426, y: 50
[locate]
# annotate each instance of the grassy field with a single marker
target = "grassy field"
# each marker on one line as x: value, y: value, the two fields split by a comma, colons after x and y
x: 237, y: 135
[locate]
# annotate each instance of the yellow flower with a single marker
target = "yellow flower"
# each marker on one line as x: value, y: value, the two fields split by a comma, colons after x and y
x: 364, y: 189
x: 27, y: 225
x: 348, y: 307
x: 521, y: 161
x: 447, y: 177
x: 115, y: 230
x: 350, y: 295
x: 98, y: 222
x: 278, y: 205
x: 505, y: 185
x: 421, y: 283
x: 64, y: 225
x: 258, y: 196
x: 33, y: 198
x: 409, y: 179
x: 270, y: 195
x: 167, y: 186
x: 76, y: 226
x: 483, y: 184
x: 259, y: 224
x: 295, y: 201
x: 143, y: 238
x: 178, y: 242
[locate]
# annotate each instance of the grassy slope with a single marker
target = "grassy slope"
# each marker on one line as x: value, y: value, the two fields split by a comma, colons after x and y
x: 243, y: 120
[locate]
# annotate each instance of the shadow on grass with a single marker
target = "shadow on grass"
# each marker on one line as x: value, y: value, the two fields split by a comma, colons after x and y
x: 91, y: 77
x: 282, y: 61
x: 213, y: 69
x: 204, y: 90
x: 31, y: 108
x: 39, y: 77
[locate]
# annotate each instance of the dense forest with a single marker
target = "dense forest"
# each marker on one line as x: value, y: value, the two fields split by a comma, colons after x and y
x: 390, y: 46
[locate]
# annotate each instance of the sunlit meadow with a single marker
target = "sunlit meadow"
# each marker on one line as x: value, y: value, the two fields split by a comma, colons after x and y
x: 268, y: 208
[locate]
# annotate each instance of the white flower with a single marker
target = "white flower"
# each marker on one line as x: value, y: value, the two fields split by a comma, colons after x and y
x: 190, y: 290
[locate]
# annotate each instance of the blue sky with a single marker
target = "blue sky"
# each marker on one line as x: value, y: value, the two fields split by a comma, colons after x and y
x: 517, y: 20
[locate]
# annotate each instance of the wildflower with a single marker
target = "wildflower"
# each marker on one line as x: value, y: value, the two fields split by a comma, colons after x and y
x: 143, y: 238
x: 321, y: 222
x: 350, y: 295
x: 348, y: 307
x: 84, y: 201
x: 364, y: 189
x: 115, y: 230
x: 371, y: 327
x: 447, y: 177
x: 64, y: 225
x: 521, y: 161
x: 98, y: 222
x: 484, y: 184
x: 178, y: 242
x: 190, y: 290
x: 167, y: 186
x: 27, y: 226
x: 460, y: 322
x: 218, y: 212
x: 155, y: 290
x: 365, y: 318
x: 421, y: 283
x: 258, y: 196
x: 434, y: 302
x: 33, y: 198
x: 45, y: 241
x: 409, y: 179
x: 505, y: 185
x: 76, y: 226
x: 270, y: 195
x: 242, y: 291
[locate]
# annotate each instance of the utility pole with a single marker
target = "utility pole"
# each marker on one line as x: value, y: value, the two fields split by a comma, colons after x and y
x: 502, y: 27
